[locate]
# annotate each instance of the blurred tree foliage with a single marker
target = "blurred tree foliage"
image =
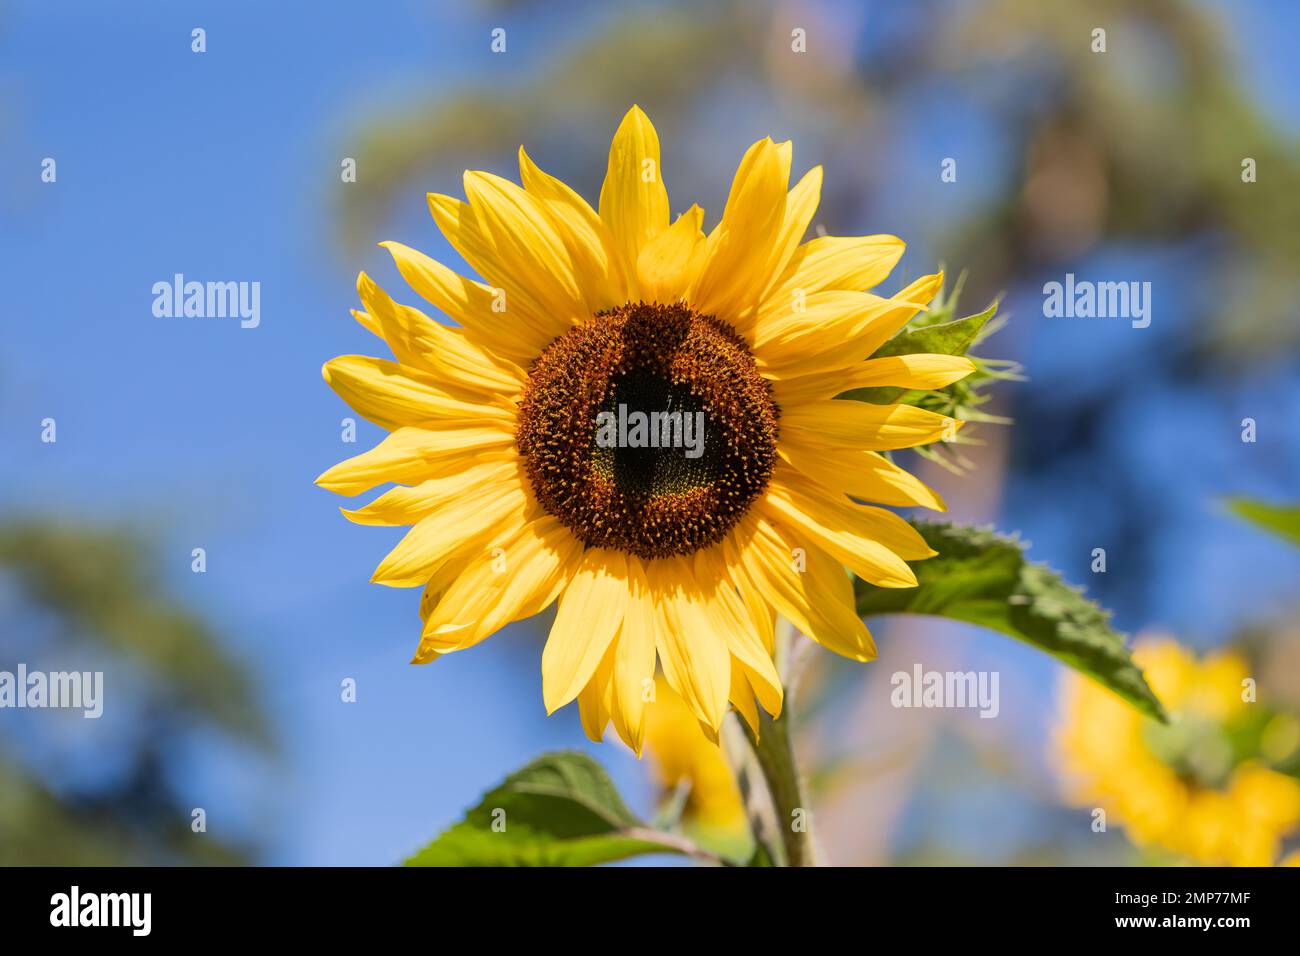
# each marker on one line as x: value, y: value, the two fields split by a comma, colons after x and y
x: 1145, y: 146
x: 1148, y: 149
x: 94, y: 597
x: 664, y: 57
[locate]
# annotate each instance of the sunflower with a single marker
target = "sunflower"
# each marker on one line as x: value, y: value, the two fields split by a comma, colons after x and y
x: 653, y: 551
x: 1198, y: 788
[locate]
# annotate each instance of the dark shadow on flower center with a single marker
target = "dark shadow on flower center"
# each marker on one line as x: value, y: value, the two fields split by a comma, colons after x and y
x: 648, y: 429
x: 666, y: 447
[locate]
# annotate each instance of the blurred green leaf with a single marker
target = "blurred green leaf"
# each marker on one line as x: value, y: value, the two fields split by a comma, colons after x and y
x: 103, y: 584
x: 1282, y: 520
x: 560, y: 810
x: 761, y: 856
x: 659, y: 58
x: 99, y: 591
x: 43, y: 827
x: 983, y: 578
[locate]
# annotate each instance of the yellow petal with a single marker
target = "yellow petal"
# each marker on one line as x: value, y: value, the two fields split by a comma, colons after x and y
x: 761, y: 613
x: 633, y: 198
x: 391, y: 395
x: 444, y: 575
x: 693, y: 655
x: 368, y: 322
x: 480, y: 311
x: 596, y: 697
x: 421, y: 343
x: 732, y: 621
x: 407, y: 505
x: 846, y: 423
x: 862, y: 474
x: 590, y: 613
x: 784, y: 156
x: 800, y: 207
x: 484, y: 513
x: 741, y: 696
x: 853, y: 263
x: 526, y: 243
x: 508, y: 580
x: 835, y: 331
x: 919, y: 371
x: 668, y: 261
x: 808, y: 587
x: 871, y: 541
x: 410, y: 455
x: 484, y: 239
x: 590, y: 245
x: 731, y: 276
x: 888, y: 325
x: 634, y: 661
x: 827, y: 334
x: 836, y: 510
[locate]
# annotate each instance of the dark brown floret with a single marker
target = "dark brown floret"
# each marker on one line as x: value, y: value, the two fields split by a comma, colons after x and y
x: 646, y: 501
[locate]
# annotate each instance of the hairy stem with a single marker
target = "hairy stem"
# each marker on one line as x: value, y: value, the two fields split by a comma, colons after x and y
x: 772, y: 751
x: 754, y: 792
x: 776, y: 759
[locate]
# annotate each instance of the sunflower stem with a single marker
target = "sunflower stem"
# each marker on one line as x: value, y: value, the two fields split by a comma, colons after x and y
x: 754, y: 792
x: 775, y: 755
x: 773, y: 750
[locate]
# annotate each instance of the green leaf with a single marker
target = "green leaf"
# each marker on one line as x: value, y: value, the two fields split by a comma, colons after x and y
x: 948, y: 338
x: 984, y: 578
x: 1282, y: 520
x: 560, y: 810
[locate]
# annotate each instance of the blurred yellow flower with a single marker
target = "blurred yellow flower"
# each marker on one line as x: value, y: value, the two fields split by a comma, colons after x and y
x: 1189, y: 788
x: 681, y: 754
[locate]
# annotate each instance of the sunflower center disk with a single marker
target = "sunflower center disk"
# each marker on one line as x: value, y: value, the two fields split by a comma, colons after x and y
x: 648, y: 429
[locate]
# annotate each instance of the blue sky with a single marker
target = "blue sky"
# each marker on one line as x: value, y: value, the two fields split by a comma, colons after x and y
x: 223, y: 167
